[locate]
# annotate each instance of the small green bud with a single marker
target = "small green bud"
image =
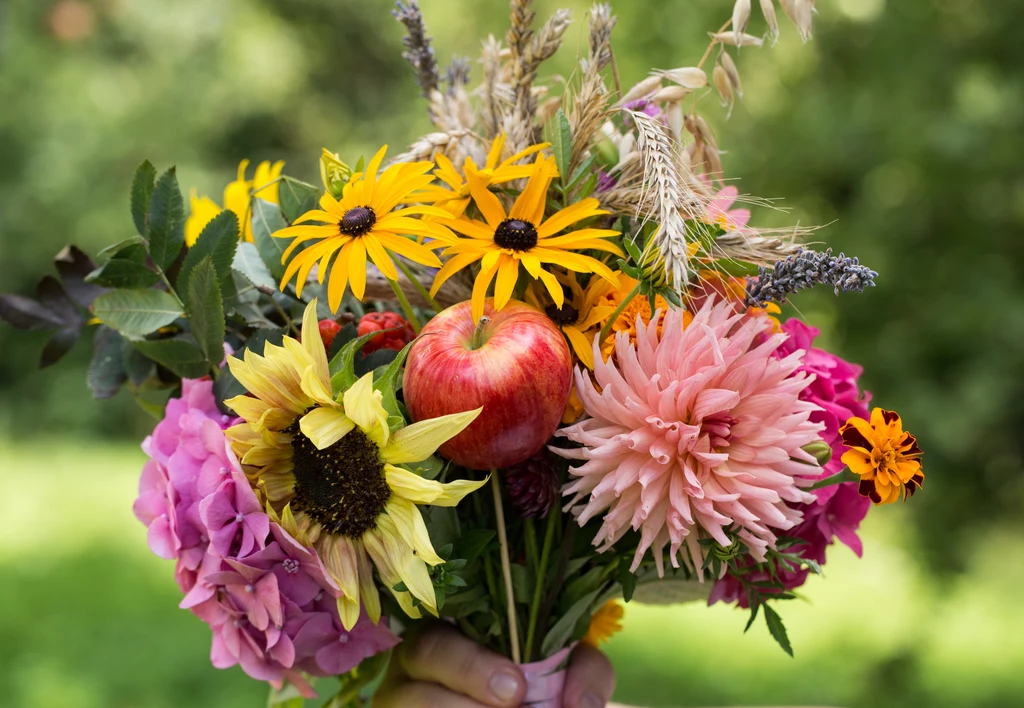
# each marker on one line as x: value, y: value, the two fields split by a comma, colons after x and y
x: 820, y: 450
x: 334, y: 173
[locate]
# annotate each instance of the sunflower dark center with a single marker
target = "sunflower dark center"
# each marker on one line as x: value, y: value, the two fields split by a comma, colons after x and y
x: 341, y: 487
x: 357, y: 221
x: 564, y: 315
x: 516, y: 234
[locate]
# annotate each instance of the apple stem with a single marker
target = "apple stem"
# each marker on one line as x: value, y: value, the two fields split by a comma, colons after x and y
x: 478, y: 333
x: 506, y: 565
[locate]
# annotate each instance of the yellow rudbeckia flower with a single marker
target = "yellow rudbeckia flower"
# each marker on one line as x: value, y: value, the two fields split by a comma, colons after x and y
x: 524, y: 236
x: 237, y: 198
x: 581, y: 315
x: 331, y: 470
x: 455, y: 196
x: 363, y: 224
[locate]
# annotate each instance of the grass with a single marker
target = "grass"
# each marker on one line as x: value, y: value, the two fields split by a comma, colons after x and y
x: 89, y: 619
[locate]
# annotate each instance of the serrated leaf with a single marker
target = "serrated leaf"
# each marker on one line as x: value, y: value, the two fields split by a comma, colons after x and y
x: 179, y: 356
x: 206, y: 310
x: 560, y: 136
x: 73, y: 266
x: 106, y: 369
x: 217, y: 241
x: 136, y: 313
x: 123, y: 273
x: 266, y: 219
x: 296, y: 197
x: 247, y: 261
x: 142, y: 193
x: 166, y: 221
x: 777, y: 629
x: 59, y: 345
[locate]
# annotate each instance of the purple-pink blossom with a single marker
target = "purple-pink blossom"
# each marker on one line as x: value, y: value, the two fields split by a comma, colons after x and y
x: 268, y: 599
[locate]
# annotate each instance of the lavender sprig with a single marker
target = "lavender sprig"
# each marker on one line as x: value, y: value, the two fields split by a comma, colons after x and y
x: 803, y: 270
x: 418, y: 51
x: 457, y: 75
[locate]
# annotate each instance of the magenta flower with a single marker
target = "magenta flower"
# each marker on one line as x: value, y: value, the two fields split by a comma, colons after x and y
x: 268, y: 599
x: 694, y: 433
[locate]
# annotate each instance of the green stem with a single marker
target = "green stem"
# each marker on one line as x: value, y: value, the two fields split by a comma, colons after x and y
x: 478, y: 334
x: 406, y: 307
x: 506, y: 569
x: 538, y: 588
x: 288, y: 321
x: 407, y: 272
x: 492, y: 586
x: 615, y: 315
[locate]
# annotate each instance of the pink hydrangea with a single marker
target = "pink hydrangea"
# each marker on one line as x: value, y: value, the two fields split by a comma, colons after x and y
x: 837, y: 511
x: 268, y: 599
x: 694, y: 433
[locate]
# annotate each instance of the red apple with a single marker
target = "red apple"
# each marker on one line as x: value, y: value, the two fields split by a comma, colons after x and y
x: 520, y: 373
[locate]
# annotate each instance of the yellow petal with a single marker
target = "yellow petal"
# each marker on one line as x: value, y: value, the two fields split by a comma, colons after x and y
x: 348, y: 611
x: 508, y: 274
x: 367, y: 587
x: 325, y: 426
x: 313, y: 344
x: 389, y: 551
x: 418, y: 441
x: 357, y: 268
x: 412, y: 529
x: 583, y: 346
x: 418, y: 490
x: 362, y: 405
x: 483, y: 280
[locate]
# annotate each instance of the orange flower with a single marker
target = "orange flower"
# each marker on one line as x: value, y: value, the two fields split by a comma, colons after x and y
x: 605, y: 623
x: 885, y: 457
x: 639, y: 306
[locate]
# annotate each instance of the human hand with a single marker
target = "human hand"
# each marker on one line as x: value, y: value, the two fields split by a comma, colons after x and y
x: 437, y: 667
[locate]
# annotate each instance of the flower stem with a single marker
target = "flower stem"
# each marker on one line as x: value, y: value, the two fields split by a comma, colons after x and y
x: 506, y: 568
x: 411, y: 277
x: 541, y: 576
x: 492, y: 587
x: 406, y: 307
x: 615, y: 315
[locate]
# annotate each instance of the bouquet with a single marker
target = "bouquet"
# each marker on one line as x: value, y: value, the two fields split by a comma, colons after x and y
x: 531, y: 369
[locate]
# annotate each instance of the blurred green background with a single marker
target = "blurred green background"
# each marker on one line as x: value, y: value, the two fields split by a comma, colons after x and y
x: 901, y: 127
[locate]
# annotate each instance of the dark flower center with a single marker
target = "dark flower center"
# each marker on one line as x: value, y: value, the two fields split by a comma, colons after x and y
x: 341, y: 487
x: 564, y: 315
x: 357, y: 221
x: 515, y: 234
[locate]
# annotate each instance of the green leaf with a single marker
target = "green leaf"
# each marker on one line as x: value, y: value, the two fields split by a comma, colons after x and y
x: 59, y: 344
x: 580, y: 173
x: 632, y: 249
x: 588, y: 186
x: 845, y: 475
x: 123, y: 273
x: 114, y: 249
x: 106, y: 369
x: 560, y: 136
x: 178, y: 355
x: 248, y: 262
x: 522, y: 583
x: 287, y: 697
x: 73, y: 266
x: 142, y: 192
x: 342, y: 366
x: 626, y: 579
x: 206, y: 311
x: 473, y: 542
x: 297, y: 198
x: 166, y: 221
x: 559, y: 635
x: 218, y: 242
x: 136, y: 313
x: 778, y: 630
x: 266, y: 219
x: 27, y: 314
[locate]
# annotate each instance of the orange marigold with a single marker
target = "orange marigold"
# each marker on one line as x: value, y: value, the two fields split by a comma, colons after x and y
x: 884, y: 455
x: 605, y: 623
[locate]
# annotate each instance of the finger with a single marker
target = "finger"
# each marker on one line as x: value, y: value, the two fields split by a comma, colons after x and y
x: 419, y: 694
x: 590, y: 681
x: 443, y: 655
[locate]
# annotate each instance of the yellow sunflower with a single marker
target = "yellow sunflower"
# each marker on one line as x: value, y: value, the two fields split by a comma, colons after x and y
x: 330, y: 468
x: 362, y: 224
x: 455, y: 197
x: 237, y: 197
x: 524, y: 236
x: 581, y: 315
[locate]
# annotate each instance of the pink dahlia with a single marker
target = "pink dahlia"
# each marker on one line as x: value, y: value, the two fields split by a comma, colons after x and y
x: 269, y: 600
x: 696, y: 433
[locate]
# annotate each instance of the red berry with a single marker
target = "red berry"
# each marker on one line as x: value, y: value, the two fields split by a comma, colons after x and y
x: 328, y: 331
x: 377, y: 321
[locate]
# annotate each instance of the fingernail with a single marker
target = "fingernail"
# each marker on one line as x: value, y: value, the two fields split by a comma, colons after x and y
x: 591, y: 700
x: 504, y: 686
